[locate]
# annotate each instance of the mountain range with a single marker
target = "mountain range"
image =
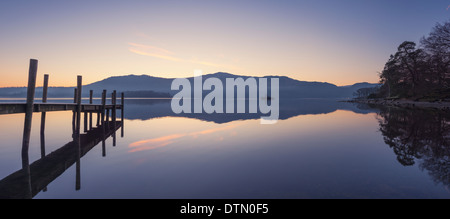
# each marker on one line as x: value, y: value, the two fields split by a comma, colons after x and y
x: 149, y: 86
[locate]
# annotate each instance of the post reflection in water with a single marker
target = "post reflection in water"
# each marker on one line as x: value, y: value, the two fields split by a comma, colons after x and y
x: 42, y: 138
x: 419, y: 136
x: 34, y: 178
x: 416, y: 137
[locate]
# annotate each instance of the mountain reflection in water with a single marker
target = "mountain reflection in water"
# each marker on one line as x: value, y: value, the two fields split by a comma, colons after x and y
x: 319, y: 149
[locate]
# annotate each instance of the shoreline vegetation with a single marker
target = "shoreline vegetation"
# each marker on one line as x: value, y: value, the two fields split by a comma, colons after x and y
x: 416, y: 75
x: 403, y: 103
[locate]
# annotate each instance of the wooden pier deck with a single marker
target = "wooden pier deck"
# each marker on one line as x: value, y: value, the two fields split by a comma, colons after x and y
x: 31, y: 179
x: 14, y: 108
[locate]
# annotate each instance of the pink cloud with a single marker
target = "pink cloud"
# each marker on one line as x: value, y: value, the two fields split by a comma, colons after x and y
x: 161, y: 53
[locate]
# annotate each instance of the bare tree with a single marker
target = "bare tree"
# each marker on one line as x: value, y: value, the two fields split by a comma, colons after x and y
x: 437, y: 47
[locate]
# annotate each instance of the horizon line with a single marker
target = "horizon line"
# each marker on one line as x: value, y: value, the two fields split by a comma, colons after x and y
x: 125, y: 75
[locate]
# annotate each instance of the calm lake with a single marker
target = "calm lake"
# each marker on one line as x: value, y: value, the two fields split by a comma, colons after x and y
x: 318, y: 149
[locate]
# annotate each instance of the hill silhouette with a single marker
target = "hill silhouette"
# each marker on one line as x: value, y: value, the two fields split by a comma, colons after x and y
x: 160, y: 87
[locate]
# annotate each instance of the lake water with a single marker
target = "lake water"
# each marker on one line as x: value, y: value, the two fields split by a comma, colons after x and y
x: 318, y: 149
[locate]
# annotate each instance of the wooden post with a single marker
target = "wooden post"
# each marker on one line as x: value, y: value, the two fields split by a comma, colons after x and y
x: 98, y: 118
x: 32, y: 73
x: 114, y: 114
x: 103, y: 124
x: 79, y: 87
x: 114, y: 103
x: 91, y: 93
x: 75, y: 99
x: 85, y: 121
x: 122, y: 113
x: 103, y: 138
x: 45, y: 89
x: 122, y: 102
x: 114, y: 135
x: 74, y: 115
x: 103, y: 106
x: 107, y: 117
x: 43, y: 115
x: 78, y: 135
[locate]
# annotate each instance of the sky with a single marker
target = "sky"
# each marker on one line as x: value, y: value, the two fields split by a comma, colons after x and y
x: 336, y: 41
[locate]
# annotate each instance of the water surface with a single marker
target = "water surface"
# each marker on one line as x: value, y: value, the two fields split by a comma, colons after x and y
x: 318, y: 149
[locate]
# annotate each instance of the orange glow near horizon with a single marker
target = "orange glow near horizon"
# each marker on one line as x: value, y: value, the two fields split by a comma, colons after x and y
x: 90, y: 73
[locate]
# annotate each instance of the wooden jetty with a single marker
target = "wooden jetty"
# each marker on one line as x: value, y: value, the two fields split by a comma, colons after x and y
x: 13, y: 108
x: 22, y: 184
x: 30, y: 107
x: 32, y: 179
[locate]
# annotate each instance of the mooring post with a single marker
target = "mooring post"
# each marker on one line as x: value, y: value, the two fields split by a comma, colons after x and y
x: 107, y: 116
x: 29, y: 111
x: 123, y: 102
x: 75, y: 93
x: 79, y: 87
x: 32, y: 73
x: 43, y: 115
x: 122, y: 113
x: 78, y: 135
x: 114, y: 115
x: 103, y: 106
x: 103, y: 142
x: 85, y: 121
x: 74, y: 121
x: 91, y: 94
x: 45, y: 89
x: 74, y: 115
x: 114, y: 103
x: 103, y: 124
x: 98, y: 118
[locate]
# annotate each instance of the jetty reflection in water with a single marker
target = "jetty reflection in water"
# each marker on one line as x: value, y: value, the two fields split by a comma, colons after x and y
x: 318, y: 149
x: 34, y: 178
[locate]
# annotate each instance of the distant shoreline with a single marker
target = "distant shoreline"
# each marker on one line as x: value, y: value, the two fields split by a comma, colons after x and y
x: 443, y: 105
